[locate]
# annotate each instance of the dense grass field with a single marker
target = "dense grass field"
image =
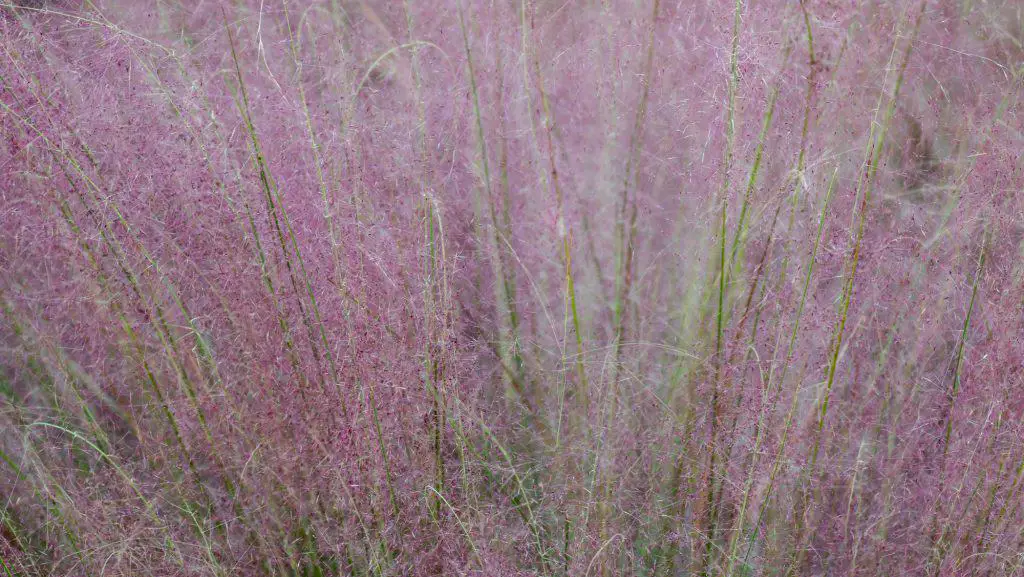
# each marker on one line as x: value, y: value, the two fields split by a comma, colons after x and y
x: 511, y: 287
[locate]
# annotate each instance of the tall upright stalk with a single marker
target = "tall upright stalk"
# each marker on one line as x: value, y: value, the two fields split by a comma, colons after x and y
x: 711, y: 511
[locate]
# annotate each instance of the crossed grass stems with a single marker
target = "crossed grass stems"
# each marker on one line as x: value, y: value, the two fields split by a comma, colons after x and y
x: 559, y: 540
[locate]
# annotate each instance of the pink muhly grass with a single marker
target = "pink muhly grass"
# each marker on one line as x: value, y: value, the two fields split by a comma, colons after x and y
x: 511, y: 288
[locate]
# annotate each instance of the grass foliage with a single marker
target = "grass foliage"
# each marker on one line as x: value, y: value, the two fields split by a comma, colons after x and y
x: 513, y: 287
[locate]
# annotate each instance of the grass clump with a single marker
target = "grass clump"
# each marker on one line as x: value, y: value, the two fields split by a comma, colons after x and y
x: 511, y: 288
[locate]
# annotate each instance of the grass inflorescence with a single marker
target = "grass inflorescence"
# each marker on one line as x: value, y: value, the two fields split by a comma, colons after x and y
x: 531, y: 287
